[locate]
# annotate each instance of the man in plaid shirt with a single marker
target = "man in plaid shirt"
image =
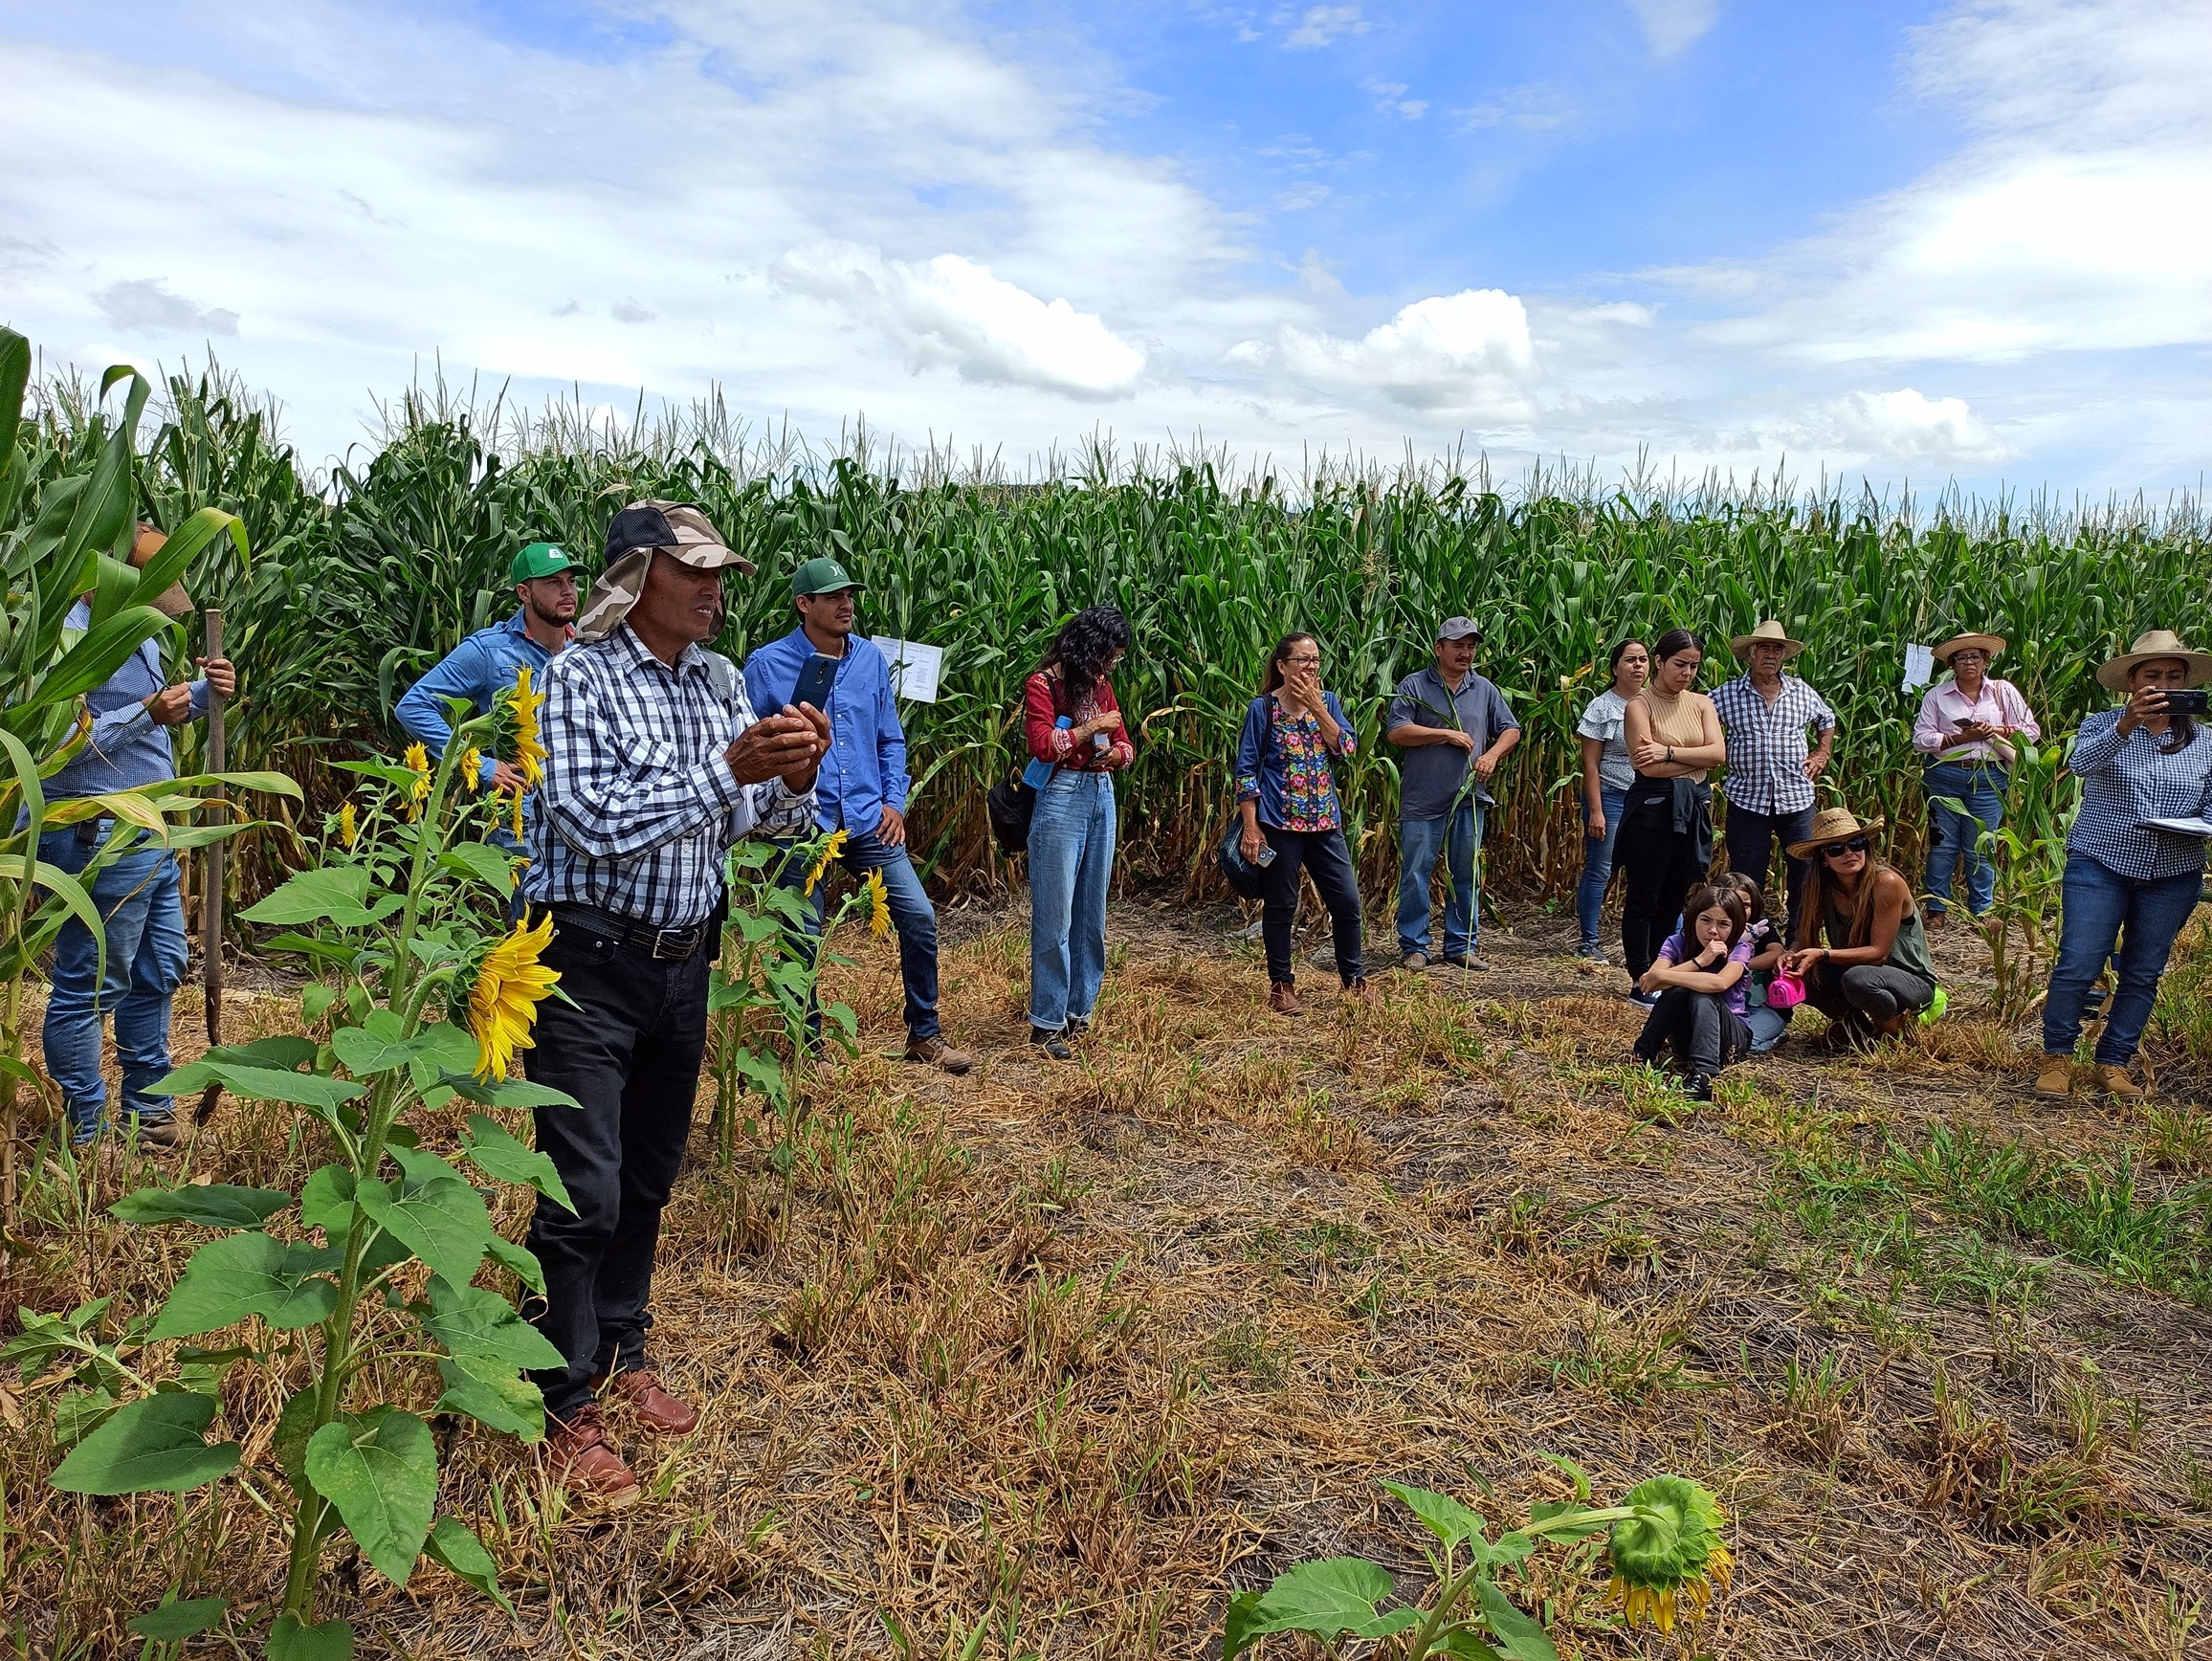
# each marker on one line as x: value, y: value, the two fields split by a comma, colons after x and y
x: 654, y: 766
x: 1771, y: 767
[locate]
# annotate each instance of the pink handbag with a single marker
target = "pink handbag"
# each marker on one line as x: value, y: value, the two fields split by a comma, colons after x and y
x: 1785, y: 991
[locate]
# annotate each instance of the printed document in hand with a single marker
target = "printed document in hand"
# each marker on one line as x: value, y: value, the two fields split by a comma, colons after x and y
x: 916, y: 669
x: 1919, y: 667
x: 2198, y: 827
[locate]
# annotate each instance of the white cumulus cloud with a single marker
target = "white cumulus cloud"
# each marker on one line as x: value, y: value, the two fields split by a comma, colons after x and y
x: 145, y: 305
x: 1466, y: 353
x: 950, y: 310
x: 1907, y: 425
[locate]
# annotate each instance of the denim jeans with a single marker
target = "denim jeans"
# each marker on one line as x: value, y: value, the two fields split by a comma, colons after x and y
x: 1321, y: 854
x: 1751, y: 840
x: 1954, y: 836
x: 1598, y: 864
x: 2142, y: 916
x: 1070, y: 863
x: 1703, y: 1031
x: 1458, y: 837
x: 625, y: 1041
x: 911, y: 914
x: 137, y: 895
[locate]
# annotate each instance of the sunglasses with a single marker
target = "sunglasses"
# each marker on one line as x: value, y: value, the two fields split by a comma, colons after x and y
x: 1856, y: 845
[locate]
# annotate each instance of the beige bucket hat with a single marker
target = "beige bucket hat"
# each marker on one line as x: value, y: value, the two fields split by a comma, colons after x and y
x: 1833, y: 824
x: 1768, y: 634
x: 639, y: 531
x: 1993, y: 644
x: 2113, y: 673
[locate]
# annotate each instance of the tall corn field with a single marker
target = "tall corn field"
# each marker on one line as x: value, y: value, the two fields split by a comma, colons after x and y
x: 361, y: 579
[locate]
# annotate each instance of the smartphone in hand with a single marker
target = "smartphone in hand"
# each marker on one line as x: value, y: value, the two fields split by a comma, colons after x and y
x: 815, y: 678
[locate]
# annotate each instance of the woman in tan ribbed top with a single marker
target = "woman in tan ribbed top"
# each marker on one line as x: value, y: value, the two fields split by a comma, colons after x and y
x: 1675, y: 739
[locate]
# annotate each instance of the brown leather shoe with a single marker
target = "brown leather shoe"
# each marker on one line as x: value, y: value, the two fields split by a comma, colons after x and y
x: 657, y: 1411
x: 936, y: 1052
x: 160, y: 1135
x: 585, y: 1462
x: 2117, y: 1083
x: 2056, y: 1077
x: 1283, y: 998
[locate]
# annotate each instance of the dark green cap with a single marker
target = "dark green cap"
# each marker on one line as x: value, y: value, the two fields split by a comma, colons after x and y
x: 539, y: 560
x: 822, y: 575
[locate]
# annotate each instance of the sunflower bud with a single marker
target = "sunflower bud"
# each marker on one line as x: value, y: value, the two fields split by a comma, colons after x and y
x: 1670, y: 1549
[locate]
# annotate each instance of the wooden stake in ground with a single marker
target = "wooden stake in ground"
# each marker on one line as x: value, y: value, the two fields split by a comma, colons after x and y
x: 212, y: 876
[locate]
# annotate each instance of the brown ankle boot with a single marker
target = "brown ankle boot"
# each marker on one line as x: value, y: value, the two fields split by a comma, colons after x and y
x: 585, y: 1462
x: 657, y: 1411
x: 1283, y: 998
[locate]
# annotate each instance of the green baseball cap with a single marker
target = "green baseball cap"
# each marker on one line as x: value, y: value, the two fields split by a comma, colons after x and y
x: 822, y: 575
x: 539, y: 560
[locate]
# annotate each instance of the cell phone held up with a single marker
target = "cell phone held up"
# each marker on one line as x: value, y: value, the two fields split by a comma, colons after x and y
x: 2188, y: 700
x: 816, y: 677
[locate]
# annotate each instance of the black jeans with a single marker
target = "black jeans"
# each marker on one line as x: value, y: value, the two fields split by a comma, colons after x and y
x: 1857, y: 996
x: 1751, y: 840
x: 1322, y: 854
x: 1658, y: 864
x: 630, y: 1050
x: 1704, y: 1033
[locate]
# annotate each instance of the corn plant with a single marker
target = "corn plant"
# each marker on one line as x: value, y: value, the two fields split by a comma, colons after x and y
x: 372, y: 1264
x: 762, y: 988
x: 1663, y: 1540
x: 2028, y: 854
x: 66, y: 527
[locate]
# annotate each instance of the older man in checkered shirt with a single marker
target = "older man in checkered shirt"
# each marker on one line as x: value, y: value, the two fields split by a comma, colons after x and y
x: 656, y: 765
x: 1765, y: 715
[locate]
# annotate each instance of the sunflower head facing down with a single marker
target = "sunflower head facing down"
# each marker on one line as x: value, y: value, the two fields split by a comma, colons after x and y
x: 529, y: 748
x: 1668, y: 1557
x: 472, y: 769
x: 832, y: 847
x: 349, y: 825
x: 418, y: 762
x: 878, y: 905
x: 504, y: 1003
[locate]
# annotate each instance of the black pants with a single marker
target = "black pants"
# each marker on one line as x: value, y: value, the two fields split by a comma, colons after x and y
x: 1658, y: 864
x: 1322, y: 854
x: 1751, y: 840
x: 630, y: 1050
x: 1704, y: 1033
x: 1858, y: 997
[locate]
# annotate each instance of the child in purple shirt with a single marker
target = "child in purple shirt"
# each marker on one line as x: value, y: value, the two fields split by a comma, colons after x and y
x: 1700, y: 978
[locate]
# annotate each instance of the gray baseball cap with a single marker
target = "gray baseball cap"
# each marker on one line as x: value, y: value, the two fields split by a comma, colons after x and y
x: 1458, y: 628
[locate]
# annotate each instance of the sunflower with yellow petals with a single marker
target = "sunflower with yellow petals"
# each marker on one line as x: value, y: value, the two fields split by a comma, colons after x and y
x: 879, y: 905
x: 504, y: 1003
x: 831, y: 849
x: 418, y: 762
x: 1667, y: 1555
x: 529, y: 747
x: 349, y: 825
x: 473, y: 769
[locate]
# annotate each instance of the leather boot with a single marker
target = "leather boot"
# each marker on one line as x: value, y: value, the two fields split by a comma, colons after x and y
x: 1283, y: 998
x: 657, y: 1411
x: 585, y: 1462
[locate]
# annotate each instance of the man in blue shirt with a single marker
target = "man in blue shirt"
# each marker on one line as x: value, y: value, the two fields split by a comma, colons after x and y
x: 861, y: 788
x: 137, y: 894
x: 484, y: 664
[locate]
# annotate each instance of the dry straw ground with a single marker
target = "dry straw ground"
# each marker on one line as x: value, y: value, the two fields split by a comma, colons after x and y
x: 1072, y: 1351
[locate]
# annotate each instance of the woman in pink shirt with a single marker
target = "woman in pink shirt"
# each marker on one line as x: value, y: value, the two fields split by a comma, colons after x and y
x: 1964, y: 729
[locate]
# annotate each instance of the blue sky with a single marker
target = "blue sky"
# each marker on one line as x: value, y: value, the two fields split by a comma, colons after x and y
x: 1965, y: 240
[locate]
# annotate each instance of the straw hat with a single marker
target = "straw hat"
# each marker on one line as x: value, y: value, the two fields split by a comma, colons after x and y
x: 1993, y: 644
x: 2113, y: 673
x: 1768, y: 634
x: 173, y: 602
x: 1833, y: 824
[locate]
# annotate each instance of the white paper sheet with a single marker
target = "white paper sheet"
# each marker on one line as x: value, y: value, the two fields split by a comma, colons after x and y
x: 1919, y: 667
x: 2181, y: 827
x: 916, y: 669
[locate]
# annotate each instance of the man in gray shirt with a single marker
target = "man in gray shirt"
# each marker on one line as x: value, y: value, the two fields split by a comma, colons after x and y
x: 1454, y: 728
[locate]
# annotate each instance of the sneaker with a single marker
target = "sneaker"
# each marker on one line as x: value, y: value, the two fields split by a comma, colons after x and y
x: 585, y: 1462
x: 1052, y: 1044
x: 657, y: 1411
x: 1591, y: 952
x: 934, y: 1052
x: 2056, y: 1077
x: 1415, y: 962
x: 1646, y: 1000
x: 1283, y: 998
x: 2117, y: 1084
x: 1076, y: 1027
x: 1698, y: 1088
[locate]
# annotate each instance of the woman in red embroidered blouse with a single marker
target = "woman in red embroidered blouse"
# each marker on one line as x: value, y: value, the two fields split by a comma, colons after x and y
x: 1071, y: 831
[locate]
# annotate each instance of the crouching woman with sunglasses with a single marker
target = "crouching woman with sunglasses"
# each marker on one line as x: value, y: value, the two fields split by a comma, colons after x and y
x: 1872, y: 976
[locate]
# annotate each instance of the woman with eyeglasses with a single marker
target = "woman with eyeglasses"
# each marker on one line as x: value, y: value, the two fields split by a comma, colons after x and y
x: 1607, y: 772
x: 1074, y: 725
x: 1870, y: 974
x: 1965, y: 728
x: 1675, y: 739
x: 2135, y: 862
x: 1293, y: 821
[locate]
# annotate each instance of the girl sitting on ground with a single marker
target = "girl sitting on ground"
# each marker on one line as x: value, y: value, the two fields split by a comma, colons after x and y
x: 1767, y: 1024
x: 1700, y: 978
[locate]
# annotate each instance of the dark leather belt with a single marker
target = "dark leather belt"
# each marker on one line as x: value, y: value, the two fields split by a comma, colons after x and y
x: 666, y: 944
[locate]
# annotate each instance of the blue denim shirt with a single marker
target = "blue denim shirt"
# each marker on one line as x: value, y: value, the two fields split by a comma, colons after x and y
x: 126, y: 748
x: 476, y: 669
x: 865, y: 770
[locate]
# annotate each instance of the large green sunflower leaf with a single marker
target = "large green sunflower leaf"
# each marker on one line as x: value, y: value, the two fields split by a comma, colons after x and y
x: 381, y: 1469
x: 152, y: 1446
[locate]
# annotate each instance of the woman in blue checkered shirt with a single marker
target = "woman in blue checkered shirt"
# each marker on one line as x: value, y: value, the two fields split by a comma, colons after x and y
x: 2128, y: 882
